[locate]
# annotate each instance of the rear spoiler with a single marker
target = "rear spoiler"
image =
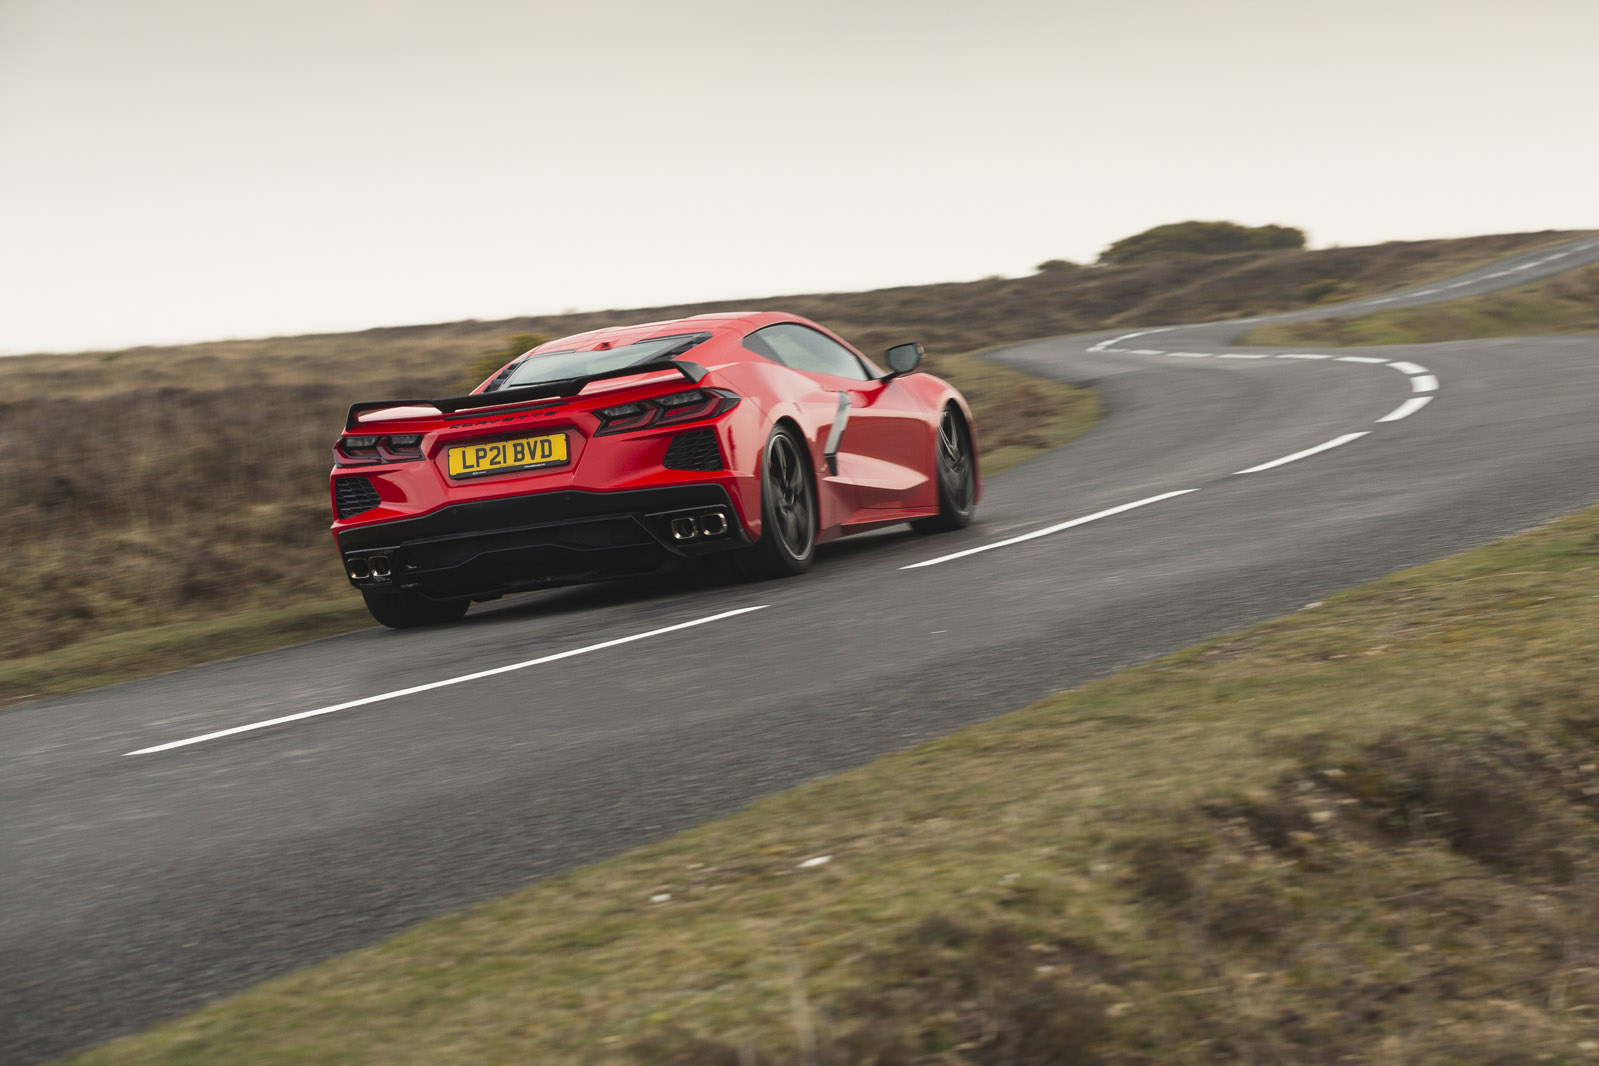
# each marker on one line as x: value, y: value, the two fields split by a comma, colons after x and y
x: 526, y: 393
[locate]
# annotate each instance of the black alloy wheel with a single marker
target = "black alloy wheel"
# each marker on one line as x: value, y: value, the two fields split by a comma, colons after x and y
x: 788, y: 513
x: 957, y: 476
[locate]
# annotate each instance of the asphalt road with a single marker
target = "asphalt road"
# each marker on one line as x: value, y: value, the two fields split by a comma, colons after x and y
x: 134, y: 887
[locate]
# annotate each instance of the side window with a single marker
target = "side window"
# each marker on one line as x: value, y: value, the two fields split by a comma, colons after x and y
x: 802, y: 348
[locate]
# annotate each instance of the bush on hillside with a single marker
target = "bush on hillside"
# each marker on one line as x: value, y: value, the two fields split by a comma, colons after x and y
x: 1049, y: 265
x: 1200, y: 238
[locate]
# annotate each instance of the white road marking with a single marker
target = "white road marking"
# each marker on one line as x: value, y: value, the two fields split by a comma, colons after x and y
x: 1335, y: 442
x: 1408, y: 368
x: 1047, y: 530
x: 1385, y: 300
x: 1424, y: 383
x: 1104, y: 345
x: 1146, y: 351
x: 1360, y: 359
x: 441, y: 684
x: 1302, y: 355
x: 1424, y: 292
x: 1406, y: 409
x: 1241, y: 355
x: 1189, y: 355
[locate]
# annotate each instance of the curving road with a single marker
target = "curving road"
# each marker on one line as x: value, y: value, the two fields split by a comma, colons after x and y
x: 409, y: 774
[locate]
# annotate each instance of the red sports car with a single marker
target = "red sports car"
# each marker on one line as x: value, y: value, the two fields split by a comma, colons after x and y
x: 750, y: 438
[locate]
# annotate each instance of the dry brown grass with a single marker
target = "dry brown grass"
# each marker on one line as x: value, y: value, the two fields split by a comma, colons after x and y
x: 1565, y: 303
x: 157, y: 486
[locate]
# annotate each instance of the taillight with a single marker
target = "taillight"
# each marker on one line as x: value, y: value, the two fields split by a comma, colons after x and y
x: 669, y: 410
x: 365, y: 450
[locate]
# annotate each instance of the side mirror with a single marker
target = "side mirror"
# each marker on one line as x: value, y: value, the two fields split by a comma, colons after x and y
x: 903, y: 359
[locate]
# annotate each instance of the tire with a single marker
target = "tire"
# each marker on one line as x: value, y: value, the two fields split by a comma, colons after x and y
x: 957, y: 476
x: 407, y: 610
x: 788, y: 514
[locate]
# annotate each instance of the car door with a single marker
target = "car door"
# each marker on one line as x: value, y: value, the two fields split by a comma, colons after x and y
x: 881, y: 441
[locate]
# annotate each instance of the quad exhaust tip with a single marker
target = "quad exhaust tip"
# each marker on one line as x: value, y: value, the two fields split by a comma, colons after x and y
x: 706, y: 525
x: 373, y: 566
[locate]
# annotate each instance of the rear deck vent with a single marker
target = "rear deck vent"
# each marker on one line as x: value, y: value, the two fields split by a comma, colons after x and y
x: 695, y: 450
x: 354, y: 494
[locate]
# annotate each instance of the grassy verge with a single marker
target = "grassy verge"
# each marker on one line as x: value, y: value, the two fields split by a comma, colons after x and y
x: 1565, y: 303
x: 136, y: 653
x: 1363, y: 832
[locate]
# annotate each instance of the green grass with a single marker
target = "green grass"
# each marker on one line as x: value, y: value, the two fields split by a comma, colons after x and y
x: 1363, y: 832
x: 1565, y: 303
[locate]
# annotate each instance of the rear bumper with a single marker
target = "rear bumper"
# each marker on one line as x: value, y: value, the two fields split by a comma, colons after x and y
x: 486, y: 548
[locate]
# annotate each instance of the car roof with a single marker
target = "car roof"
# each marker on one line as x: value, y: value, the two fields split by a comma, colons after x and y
x: 739, y: 322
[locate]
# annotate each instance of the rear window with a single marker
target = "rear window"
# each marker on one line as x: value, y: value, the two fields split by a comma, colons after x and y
x: 558, y: 366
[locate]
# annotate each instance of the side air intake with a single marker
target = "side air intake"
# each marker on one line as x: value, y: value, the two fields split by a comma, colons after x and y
x: 694, y: 450
x: 354, y: 494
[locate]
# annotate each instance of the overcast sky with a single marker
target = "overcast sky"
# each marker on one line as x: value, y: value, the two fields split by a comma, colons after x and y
x: 176, y: 170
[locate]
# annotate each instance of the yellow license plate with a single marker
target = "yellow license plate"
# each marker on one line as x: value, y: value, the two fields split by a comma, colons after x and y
x: 503, y: 455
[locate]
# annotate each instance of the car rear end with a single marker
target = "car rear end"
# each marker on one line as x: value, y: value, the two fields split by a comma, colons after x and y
x: 493, y: 497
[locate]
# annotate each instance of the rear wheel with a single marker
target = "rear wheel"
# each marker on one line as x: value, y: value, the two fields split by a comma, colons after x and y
x: 957, y: 477
x: 788, y: 513
x: 406, y: 610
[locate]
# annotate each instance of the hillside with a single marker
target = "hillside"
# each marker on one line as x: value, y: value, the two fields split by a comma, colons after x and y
x: 167, y: 505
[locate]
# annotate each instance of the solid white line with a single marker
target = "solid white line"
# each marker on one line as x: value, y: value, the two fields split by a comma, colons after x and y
x: 1408, y: 368
x: 1406, y: 409
x: 1302, y: 355
x: 441, y: 684
x: 1103, y: 345
x: 1047, y: 530
x: 1424, y: 292
x: 1335, y: 442
x: 1424, y: 383
x: 1240, y: 355
x: 1360, y: 359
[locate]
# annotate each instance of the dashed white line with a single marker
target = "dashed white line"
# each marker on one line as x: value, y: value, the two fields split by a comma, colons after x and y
x: 1408, y: 368
x: 1335, y: 442
x: 1424, y: 292
x: 1406, y: 409
x: 413, y: 690
x: 1145, y: 351
x: 1302, y: 355
x: 1241, y: 355
x: 1047, y: 530
x: 1189, y: 355
x: 1424, y: 383
x: 1361, y: 359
